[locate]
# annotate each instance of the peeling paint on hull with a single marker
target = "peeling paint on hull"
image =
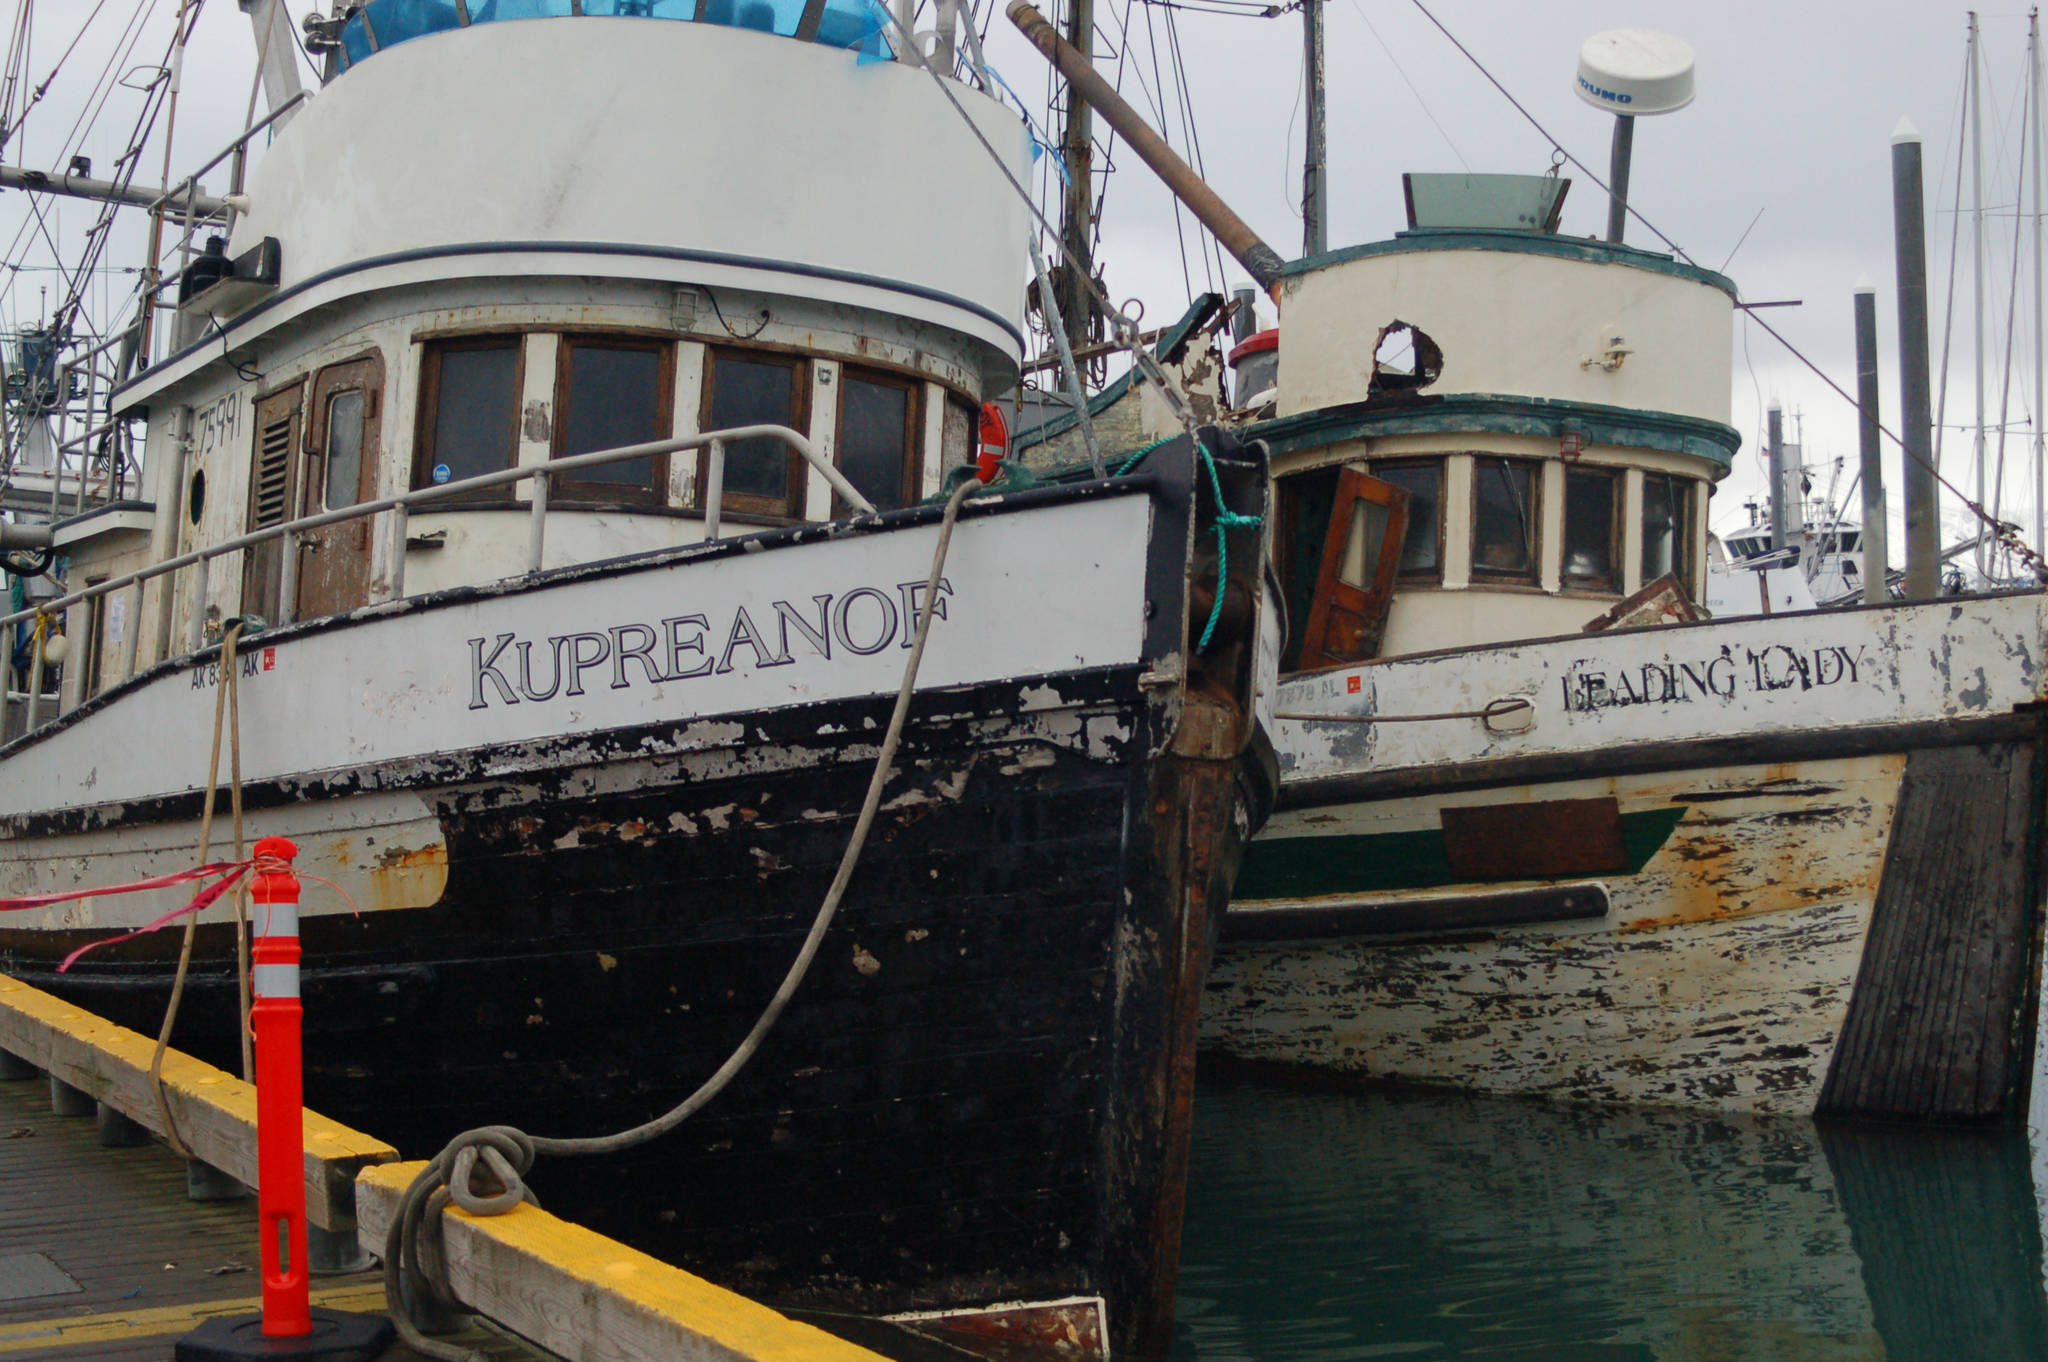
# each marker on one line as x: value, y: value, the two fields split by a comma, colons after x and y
x: 1724, y: 972
x: 1717, y: 979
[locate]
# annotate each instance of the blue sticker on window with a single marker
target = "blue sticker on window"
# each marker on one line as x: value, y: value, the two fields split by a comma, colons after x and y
x: 442, y: 472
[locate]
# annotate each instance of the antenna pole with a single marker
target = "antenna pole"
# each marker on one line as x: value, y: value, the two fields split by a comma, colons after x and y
x: 1077, y: 219
x: 1314, y: 187
x: 1617, y: 175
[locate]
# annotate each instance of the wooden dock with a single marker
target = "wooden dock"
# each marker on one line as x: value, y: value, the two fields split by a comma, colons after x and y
x: 103, y: 1256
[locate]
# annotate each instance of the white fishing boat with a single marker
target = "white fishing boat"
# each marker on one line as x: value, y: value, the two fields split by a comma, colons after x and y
x: 555, y: 460
x: 1545, y: 828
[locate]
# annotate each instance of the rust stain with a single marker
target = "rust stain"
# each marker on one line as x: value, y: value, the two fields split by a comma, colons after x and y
x: 403, y: 877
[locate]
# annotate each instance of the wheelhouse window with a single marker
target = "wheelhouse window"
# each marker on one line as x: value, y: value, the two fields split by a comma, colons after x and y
x: 469, y: 405
x: 1422, y: 547
x: 878, y: 436
x: 1592, y: 523
x: 1666, y: 525
x: 1504, y: 507
x: 611, y: 392
x: 763, y: 475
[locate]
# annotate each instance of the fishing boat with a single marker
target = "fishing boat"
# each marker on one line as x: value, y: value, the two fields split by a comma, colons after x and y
x: 1547, y: 828
x: 554, y: 460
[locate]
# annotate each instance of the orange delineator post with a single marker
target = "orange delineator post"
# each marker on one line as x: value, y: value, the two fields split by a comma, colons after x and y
x: 275, y: 1015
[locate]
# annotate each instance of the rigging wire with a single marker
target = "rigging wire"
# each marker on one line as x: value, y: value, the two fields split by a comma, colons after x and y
x: 1420, y: 102
x: 1194, y: 142
x: 1955, y: 246
x: 2000, y: 530
x: 36, y: 96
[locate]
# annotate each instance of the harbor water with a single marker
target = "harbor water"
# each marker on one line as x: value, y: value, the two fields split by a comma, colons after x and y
x: 1329, y: 1225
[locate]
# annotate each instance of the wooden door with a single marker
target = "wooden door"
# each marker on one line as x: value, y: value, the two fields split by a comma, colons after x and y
x: 1347, y: 618
x: 341, y: 461
x: 273, y: 493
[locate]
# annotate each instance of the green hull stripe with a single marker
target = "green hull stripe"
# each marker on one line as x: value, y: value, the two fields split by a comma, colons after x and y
x: 1373, y: 863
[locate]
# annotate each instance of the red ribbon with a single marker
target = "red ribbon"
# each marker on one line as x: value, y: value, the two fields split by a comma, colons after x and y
x: 230, y: 872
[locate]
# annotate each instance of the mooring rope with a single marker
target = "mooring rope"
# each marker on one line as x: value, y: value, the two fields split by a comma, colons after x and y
x: 163, y: 1036
x: 415, y: 1266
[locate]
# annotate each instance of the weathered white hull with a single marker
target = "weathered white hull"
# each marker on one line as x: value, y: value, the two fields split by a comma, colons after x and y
x: 1719, y: 977
x: 1722, y: 967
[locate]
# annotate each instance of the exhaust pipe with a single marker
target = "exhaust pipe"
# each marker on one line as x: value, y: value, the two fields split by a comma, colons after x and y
x: 1259, y: 259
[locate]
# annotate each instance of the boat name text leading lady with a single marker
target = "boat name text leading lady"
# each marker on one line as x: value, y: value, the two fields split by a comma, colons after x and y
x: 508, y: 669
x: 1760, y: 670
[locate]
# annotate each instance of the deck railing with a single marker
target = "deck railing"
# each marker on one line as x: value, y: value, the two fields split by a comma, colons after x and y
x: 400, y: 508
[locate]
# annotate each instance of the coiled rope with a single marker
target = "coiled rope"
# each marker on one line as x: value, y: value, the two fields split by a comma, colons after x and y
x: 415, y: 1264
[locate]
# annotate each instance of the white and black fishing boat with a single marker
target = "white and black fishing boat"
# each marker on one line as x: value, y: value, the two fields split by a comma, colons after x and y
x: 581, y: 746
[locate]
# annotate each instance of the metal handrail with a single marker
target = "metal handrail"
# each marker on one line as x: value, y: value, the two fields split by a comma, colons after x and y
x: 715, y: 440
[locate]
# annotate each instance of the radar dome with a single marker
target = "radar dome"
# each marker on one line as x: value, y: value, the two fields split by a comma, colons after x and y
x: 1635, y: 71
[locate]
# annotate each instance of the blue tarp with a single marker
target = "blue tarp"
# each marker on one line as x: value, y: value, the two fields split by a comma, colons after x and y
x: 857, y: 25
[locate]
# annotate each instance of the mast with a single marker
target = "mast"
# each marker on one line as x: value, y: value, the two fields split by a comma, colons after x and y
x: 1077, y: 217
x: 1977, y: 261
x: 1314, y: 188
x: 1875, y: 529
x: 1916, y: 416
x: 2034, y: 79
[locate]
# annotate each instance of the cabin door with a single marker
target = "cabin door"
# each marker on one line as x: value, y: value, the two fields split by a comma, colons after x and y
x: 273, y: 492
x: 340, y: 463
x: 1347, y: 618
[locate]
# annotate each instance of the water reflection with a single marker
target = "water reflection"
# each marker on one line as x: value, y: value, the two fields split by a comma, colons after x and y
x: 1344, y: 1225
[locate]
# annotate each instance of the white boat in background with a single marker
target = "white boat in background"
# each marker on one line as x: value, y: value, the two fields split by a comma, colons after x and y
x: 1544, y: 826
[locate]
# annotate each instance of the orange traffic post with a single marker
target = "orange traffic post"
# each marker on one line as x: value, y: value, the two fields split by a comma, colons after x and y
x: 288, y: 1325
x: 275, y: 1015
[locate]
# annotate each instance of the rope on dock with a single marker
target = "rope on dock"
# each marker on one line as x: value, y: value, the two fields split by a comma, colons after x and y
x: 415, y: 1268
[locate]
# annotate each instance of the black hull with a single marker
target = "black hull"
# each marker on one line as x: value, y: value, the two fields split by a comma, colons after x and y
x: 926, y: 1127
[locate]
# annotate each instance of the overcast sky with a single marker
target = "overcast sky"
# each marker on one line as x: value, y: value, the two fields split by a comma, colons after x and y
x: 1793, y: 119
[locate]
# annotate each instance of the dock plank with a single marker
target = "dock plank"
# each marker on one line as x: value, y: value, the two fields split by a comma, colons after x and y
x: 117, y: 1222
x: 1933, y: 1026
x: 573, y: 1291
x: 214, y: 1111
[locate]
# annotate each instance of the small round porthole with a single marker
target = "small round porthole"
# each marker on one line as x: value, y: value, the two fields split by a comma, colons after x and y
x: 197, y: 501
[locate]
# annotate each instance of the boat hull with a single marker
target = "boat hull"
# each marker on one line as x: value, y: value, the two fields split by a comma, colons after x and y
x: 980, y: 1092
x: 1796, y: 918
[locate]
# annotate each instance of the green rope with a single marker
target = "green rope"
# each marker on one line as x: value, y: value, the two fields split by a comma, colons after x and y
x: 1128, y: 464
x: 1225, y: 520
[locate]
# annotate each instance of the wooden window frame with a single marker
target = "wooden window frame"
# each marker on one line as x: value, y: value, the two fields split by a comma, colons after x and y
x: 1617, y: 540
x: 1493, y: 577
x: 913, y: 428
x: 791, y: 507
x: 1435, y: 576
x: 332, y: 379
x: 1682, y: 529
x: 430, y: 406
x: 567, y: 488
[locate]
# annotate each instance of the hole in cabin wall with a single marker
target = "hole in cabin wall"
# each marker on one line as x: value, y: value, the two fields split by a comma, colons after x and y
x: 1404, y: 358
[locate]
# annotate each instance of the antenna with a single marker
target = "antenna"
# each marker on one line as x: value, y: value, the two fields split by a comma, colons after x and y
x: 1631, y: 73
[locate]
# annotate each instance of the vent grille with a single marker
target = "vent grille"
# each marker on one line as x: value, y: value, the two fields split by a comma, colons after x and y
x: 273, y: 473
